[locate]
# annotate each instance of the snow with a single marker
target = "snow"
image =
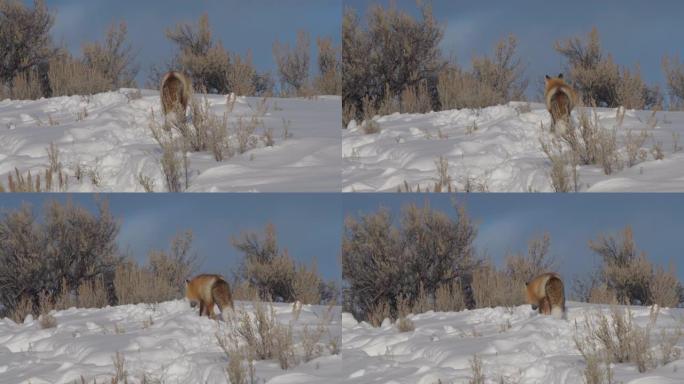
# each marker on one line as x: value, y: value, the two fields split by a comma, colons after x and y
x: 498, y: 147
x: 514, y: 344
x: 176, y: 346
x: 114, y: 138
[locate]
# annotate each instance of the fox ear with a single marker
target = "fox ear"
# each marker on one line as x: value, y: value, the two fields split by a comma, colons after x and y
x: 527, y: 283
x: 187, y: 281
x: 560, y: 75
x: 547, y: 77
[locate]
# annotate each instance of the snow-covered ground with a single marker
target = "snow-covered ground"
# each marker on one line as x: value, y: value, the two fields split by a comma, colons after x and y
x: 498, y: 149
x: 113, y: 138
x: 168, y: 342
x: 515, y: 345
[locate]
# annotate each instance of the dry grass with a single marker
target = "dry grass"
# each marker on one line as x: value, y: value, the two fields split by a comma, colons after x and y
x: 134, y: 284
x: 476, y: 369
x: 21, y: 310
x: 120, y: 373
x: 69, y: 76
x: 378, y: 313
x: 634, y: 147
x: 146, y: 182
x: 492, y: 288
x: 615, y: 338
x: 370, y: 127
x: 405, y: 325
x: 92, y: 294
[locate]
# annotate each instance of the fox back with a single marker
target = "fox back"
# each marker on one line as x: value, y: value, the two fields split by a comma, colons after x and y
x: 175, y: 90
x: 559, y: 98
x: 547, y: 294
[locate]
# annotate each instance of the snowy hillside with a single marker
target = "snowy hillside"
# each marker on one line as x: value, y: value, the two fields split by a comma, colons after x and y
x: 167, y: 342
x: 108, y: 136
x: 515, y: 345
x: 498, y: 149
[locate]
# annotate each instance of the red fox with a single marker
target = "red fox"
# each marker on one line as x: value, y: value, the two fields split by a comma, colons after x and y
x: 175, y: 91
x: 546, y: 293
x: 560, y: 100
x: 207, y: 290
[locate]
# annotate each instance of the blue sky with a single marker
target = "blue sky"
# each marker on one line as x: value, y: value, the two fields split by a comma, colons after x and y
x: 634, y: 31
x: 239, y: 24
x: 508, y: 221
x: 308, y: 225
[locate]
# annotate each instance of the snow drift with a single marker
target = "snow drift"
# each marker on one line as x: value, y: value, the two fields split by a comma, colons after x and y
x: 108, y: 134
x: 166, y: 342
x: 497, y: 149
x: 515, y: 345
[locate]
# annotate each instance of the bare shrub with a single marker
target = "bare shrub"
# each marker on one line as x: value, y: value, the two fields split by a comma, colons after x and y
x: 674, y: 74
x: 664, y: 287
x: 174, y: 165
x: 522, y: 268
x: 618, y: 338
x: 377, y: 257
x: 601, y: 294
x: 394, y: 51
x: 211, y: 67
x: 114, y: 58
x: 559, y: 175
x: 329, y: 80
x: 593, y: 143
x: 598, y: 368
x: 293, y: 63
x: 274, y: 273
x: 176, y: 264
x: 24, y: 38
x: 625, y: 269
x: 162, y: 278
x: 241, y: 76
x: 68, y: 242
x: 503, y: 73
x: 600, y: 80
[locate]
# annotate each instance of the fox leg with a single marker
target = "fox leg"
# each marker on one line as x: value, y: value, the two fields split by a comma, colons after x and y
x: 201, y: 308
x: 210, y: 309
x: 545, y: 306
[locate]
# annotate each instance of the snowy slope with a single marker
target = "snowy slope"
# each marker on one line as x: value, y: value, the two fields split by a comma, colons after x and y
x: 514, y: 344
x: 498, y: 147
x: 176, y: 346
x: 114, y: 138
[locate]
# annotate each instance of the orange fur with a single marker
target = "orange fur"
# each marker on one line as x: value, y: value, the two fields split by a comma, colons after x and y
x: 546, y: 293
x: 560, y: 99
x: 208, y: 290
x: 175, y: 90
